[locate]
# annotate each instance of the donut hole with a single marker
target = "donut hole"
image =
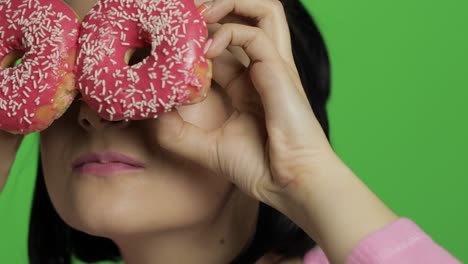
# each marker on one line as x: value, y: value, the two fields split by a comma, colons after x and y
x: 136, y: 55
x: 12, y: 59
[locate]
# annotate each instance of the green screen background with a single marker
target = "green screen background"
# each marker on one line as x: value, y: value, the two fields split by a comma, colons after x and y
x: 398, y: 115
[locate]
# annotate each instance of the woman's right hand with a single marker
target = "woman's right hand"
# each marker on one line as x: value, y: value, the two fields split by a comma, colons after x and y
x: 9, y: 144
x: 272, y: 147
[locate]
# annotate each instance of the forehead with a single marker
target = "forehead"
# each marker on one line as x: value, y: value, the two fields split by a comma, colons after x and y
x: 82, y: 7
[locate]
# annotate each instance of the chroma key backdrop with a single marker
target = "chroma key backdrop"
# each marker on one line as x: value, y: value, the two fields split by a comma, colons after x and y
x: 398, y: 115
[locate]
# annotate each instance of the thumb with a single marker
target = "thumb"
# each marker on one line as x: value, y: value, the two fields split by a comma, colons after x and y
x: 187, y: 140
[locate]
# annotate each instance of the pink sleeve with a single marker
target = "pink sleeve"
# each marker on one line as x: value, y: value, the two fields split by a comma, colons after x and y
x: 398, y: 243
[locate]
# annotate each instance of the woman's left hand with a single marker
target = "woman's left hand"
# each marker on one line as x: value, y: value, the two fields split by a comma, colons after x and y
x: 272, y: 138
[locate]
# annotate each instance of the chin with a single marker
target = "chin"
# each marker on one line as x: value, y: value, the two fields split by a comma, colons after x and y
x: 123, y: 217
x: 95, y: 221
x: 125, y: 206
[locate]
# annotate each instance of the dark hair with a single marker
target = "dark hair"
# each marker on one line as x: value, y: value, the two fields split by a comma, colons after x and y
x: 51, y: 241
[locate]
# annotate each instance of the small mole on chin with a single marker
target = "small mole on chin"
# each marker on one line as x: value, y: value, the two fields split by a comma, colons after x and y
x: 221, y: 241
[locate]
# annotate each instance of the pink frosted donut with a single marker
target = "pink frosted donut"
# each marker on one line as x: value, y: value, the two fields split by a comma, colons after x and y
x: 38, y: 90
x: 175, y: 72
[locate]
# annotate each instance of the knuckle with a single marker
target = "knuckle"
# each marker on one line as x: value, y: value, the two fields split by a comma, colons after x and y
x: 231, y: 26
x: 261, y: 36
x: 228, y: 27
x: 275, y: 8
x: 257, y: 33
x: 278, y: 6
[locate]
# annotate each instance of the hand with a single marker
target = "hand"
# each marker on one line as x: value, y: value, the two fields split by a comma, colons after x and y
x: 272, y: 146
x: 272, y: 137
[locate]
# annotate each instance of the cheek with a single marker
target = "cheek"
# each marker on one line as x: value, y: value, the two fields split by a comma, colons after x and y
x: 209, y: 114
x: 186, y: 180
x: 58, y: 143
x: 174, y: 192
x: 183, y: 195
x: 53, y: 151
x: 171, y: 193
x: 54, y: 175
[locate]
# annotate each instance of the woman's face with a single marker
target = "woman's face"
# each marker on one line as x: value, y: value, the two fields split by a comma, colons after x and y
x: 165, y: 193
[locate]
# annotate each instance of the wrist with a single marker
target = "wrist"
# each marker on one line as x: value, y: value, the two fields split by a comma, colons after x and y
x: 298, y: 193
x: 334, y: 207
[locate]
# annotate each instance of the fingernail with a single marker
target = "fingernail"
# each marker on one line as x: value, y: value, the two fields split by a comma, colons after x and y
x: 202, y: 9
x: 207, y: 46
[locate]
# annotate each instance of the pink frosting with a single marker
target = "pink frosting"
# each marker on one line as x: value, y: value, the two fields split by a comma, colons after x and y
x: 47, y: 31
x: 176, y: 33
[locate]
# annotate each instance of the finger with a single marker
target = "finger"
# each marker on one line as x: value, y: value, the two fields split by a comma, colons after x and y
x: 226, y: 73
x: 252, y: 40
x: 242, y: 57
x: 238, y: 53
x: 270, y: 17
x: 269, y: 14
x: 231, y: 18
x: 226, y: 67
x: 187, y: 140
x: 230, y: 65
x: 231, y: 76
x: 268, y: 71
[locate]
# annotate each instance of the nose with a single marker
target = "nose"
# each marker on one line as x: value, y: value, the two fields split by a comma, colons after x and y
x: 91, y: 121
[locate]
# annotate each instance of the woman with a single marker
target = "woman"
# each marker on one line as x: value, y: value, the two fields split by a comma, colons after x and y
x: 199, y: 184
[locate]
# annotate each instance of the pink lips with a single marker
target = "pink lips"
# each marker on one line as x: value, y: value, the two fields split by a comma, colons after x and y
x: 105, y: 164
